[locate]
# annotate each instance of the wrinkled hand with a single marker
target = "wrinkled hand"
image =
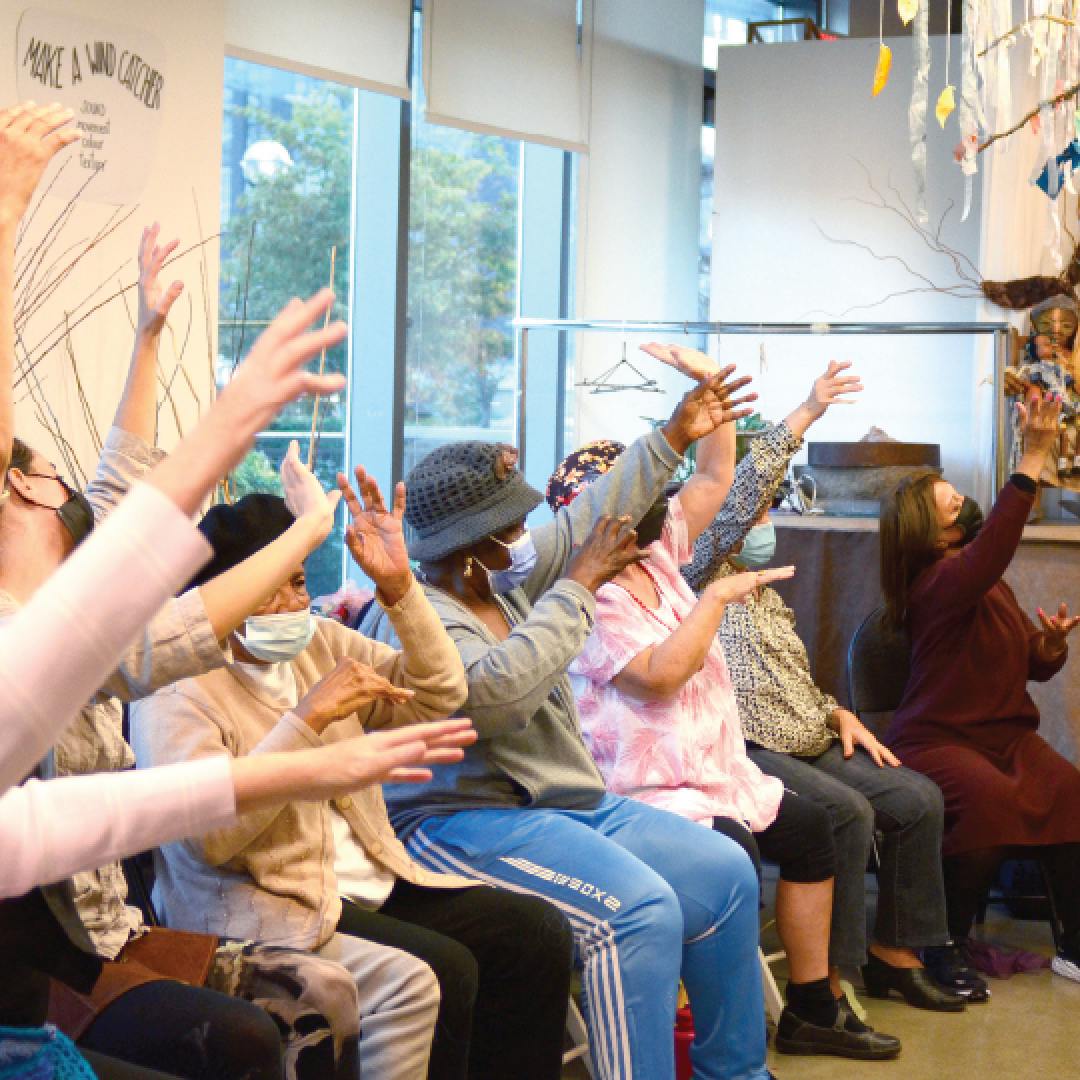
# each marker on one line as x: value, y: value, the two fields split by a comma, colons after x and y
x: 689, y: 362
x: 854, y: 733
x: 1056, y: 630
x: 30, y: 136
x: 376, y: 538
x: 608, y: 550
x: 154, y: 303
x: 273, y: 373
x: 1038, y: 419
x: 304, y: 495
x: 347, y: 688
x: 735, y: 588
x: 832, y: 388
x: 705, y: 408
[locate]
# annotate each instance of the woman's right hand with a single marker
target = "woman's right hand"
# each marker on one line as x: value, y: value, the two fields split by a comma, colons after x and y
x: 304, y: 495
x: 608, y: 550
x: 735, y: 588
x: 349, y: 687
x: 1038, y: 421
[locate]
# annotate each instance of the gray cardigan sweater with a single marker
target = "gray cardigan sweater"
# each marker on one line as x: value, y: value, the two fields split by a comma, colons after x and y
x: 530, y: 751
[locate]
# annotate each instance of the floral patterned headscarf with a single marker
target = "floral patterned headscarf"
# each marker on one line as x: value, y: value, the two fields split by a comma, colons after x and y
x: 580, y: 468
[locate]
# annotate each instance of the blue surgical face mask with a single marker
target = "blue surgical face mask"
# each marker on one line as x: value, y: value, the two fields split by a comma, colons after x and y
x: 522, y: 554
x: 277, y: 638
x: 758, y: 548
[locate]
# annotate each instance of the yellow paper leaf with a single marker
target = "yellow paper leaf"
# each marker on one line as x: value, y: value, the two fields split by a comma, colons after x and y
x: 945, y: 105
x: 884, y: 63
x: 907, y: 9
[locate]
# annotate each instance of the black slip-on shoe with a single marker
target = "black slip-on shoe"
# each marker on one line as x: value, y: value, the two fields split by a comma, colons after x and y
x: 914, y: 985
x: 951, y: 966
x: 795, y: 1036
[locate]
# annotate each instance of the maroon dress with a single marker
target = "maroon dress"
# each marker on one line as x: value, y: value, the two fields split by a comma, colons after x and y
x: 967, y: 721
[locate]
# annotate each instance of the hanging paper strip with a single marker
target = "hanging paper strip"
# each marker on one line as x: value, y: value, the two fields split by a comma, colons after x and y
x: 969, y: 89
x: 884, y: 64
x: 947, y: 101
x: 920, y: 92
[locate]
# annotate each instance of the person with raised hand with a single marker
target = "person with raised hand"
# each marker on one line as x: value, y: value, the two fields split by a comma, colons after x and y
x: 331, y: 876
x: 967, y: 721
x: 30, y: 137
x: 650, y: 895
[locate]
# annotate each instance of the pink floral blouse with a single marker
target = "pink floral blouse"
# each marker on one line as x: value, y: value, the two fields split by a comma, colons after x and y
x: 686, y: 755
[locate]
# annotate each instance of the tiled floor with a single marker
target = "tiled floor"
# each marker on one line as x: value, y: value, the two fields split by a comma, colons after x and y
x: 1029, y: 1030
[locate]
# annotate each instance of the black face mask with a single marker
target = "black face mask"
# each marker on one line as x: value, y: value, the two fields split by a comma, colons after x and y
x: 77, y: 516
x: 970, y: 520
x: 651, y: 526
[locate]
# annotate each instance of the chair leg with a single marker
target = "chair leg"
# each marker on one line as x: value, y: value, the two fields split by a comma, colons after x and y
x: 774, y: 1003
x: 579, y: 1035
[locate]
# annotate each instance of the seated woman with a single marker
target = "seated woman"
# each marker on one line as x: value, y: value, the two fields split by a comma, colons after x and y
x: 966, y: 720
x: 660, y: 718
x: 332, y: 877
x: 799, y: 734
x: 651, y: 897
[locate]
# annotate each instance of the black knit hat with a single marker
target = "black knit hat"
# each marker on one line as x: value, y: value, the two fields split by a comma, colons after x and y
x: 238, y: 531
x: 462, y: 492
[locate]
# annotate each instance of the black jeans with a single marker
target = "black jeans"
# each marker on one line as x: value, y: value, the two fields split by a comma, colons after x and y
x: 107, y: 1068
x: 189, y: 1032
x: 503, y: 962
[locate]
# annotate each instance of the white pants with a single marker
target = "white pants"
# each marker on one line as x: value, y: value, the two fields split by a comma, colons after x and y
x: 399, y: 1002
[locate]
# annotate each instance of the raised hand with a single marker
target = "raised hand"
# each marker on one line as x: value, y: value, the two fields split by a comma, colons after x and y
x: 689, y: 362
x: 376, y: 538
x: 1056, y: 630
x: 30, y: 136
x: 304, y: 495
x: 1038, y: 421
x: 735, y: 588
x: 608, y: 550
x: 703, y: 409
x: 832, y: 388
x: 155, y: 302
x: 347, y: 688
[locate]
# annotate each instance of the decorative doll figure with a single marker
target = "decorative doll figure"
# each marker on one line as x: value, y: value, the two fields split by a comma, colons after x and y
x: 1052, y: 363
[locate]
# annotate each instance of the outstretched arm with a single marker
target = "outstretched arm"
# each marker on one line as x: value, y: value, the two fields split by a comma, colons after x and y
x: 137, y: 412
x: 29, y: 138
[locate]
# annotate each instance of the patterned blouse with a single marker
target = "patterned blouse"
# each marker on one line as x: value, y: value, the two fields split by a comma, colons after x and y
x: 780, y: 706
x: 686, y: 755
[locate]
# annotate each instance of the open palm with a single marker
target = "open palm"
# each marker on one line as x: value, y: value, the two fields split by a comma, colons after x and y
x: 376, y: 539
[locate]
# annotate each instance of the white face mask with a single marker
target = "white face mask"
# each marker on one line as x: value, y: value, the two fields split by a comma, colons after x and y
x: 523, y: 557
x: 277, y: 638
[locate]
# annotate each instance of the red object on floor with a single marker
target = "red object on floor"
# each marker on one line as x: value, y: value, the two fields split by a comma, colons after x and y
x: 684, y: 1036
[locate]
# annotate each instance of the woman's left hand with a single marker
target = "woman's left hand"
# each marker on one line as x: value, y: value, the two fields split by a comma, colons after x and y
x: 154, y: 301
x: 304, y: 495
x: 853, y: 733
x: 376, y: 538
x: 689, y: 362
x: 1056, y: 630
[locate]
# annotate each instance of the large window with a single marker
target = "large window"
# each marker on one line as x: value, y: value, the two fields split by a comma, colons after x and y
x: 286, y: 207
x: 311, y: 167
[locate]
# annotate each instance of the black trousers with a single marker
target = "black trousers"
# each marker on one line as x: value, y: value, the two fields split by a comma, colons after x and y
x: 800, y: 840
x: 107, y: 1068
x: 503, y: 962
x: 189, y: 1032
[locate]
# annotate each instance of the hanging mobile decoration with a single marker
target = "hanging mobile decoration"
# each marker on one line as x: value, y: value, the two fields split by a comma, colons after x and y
x: 604, y: 384
x: 920, y: 97
x: 906, y: 9
x: 947, y: 101
x: 969, y: 90
x: 763, y: 363
x: 884, y: 62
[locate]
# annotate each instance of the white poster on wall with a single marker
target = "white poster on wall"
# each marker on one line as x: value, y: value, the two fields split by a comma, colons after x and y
x: 114, y: 78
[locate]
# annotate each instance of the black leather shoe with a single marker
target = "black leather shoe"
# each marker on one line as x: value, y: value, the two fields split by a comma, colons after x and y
x: 795, y: 1036
x: 951, y: 966
x: 914, y: 985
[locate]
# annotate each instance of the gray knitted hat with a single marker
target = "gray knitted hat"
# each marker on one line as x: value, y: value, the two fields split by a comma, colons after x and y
x: 1060, y: 301
x: 460, y: 493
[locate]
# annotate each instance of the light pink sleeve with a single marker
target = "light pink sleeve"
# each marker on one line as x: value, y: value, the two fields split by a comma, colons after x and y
x: 60, y: 647
x: 51, y: 830
x: 621, y: 631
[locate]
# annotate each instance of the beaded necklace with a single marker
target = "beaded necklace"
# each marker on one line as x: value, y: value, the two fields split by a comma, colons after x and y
x: 654, y: 612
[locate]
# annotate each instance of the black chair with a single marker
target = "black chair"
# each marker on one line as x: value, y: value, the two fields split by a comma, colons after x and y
x: 878, y: 666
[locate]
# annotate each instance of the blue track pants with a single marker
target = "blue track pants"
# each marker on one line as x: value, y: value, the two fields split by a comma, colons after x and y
x: 652, y: 897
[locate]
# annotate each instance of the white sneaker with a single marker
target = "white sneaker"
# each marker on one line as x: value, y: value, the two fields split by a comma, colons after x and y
x: 1066, y: 968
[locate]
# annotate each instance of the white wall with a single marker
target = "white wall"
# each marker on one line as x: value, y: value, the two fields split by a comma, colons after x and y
x: 185, y: 173
x: 640, y: 193
x: 793, y: 124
